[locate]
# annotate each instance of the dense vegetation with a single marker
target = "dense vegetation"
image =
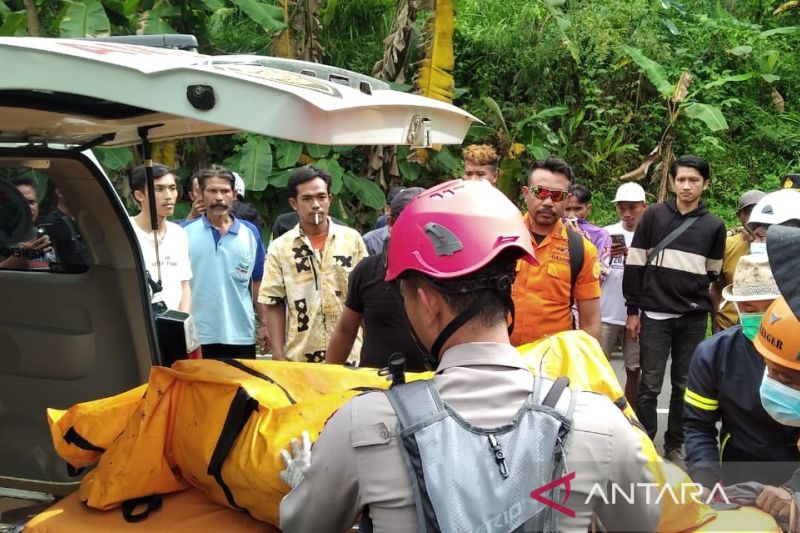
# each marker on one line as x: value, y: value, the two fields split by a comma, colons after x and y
x: 610, y: 85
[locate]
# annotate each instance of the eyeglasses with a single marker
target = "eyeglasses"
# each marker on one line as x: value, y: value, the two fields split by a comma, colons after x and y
x: 543, y: 194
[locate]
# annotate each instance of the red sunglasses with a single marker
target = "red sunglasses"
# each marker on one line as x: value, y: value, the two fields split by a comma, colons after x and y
x: 543, y: 193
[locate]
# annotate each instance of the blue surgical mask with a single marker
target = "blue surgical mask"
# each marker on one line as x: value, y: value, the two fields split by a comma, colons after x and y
x: 750, y: 323
x: 758, y: 247
x: 780, y: 401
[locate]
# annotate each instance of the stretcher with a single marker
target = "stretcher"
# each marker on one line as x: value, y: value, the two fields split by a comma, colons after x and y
x: 188, y: 511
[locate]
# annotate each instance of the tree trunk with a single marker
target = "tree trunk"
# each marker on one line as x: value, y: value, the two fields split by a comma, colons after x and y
x: 667, y: 158
x: 311, y: 49
x: 283, y: 45
x: 32, y: 18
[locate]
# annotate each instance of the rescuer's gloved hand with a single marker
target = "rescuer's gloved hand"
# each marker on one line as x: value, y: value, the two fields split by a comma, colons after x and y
x: 297, y: 462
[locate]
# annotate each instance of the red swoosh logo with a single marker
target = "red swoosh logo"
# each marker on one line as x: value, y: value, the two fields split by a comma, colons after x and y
x: 564, y: 480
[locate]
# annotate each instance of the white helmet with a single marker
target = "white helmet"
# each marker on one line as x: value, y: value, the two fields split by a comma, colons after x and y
x: 239, y: 187
x: 776, y: 208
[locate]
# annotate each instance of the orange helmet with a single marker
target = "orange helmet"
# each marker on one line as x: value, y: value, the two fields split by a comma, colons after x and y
x: 778, y: 338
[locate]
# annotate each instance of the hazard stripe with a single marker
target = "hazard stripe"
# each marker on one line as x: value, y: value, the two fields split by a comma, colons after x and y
x: 701, y: 402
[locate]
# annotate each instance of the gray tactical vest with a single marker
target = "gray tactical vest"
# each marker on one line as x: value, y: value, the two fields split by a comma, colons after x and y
x: 471, y: 479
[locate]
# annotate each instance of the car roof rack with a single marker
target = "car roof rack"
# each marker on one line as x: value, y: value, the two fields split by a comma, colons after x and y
x: 176, y: 41
x: 354, y: 80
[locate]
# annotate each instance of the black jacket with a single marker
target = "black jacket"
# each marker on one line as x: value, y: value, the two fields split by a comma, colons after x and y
x: 248, y: 212
x: 724, y: 379
x: 677, y: 280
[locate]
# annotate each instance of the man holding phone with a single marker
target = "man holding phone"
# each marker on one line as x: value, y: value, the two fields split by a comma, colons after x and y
x: 630, y: 203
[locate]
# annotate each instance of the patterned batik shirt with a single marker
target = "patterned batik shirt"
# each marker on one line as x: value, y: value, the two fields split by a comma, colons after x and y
x: 313, y: 286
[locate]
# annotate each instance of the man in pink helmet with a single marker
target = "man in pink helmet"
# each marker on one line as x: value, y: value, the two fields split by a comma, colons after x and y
x: 476, y: 463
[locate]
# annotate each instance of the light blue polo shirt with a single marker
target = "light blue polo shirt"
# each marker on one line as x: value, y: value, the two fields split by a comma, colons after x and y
x: 223, y: 267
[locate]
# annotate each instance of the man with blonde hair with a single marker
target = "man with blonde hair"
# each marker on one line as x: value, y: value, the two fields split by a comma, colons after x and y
x: 480, y: 163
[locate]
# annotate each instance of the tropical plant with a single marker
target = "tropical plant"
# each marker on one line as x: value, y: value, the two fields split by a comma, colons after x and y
x: 545, y: 76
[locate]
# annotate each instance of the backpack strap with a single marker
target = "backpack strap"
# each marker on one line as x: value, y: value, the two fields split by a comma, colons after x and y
x: 575, y: 248
x: 555, y: 392
x: 415, y: 403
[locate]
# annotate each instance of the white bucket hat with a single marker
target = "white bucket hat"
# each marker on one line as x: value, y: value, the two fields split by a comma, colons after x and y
x: 752, y: 280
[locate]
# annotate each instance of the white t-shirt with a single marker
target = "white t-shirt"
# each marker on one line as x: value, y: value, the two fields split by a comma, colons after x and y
x: 173, y: 248
x: 612, y: 303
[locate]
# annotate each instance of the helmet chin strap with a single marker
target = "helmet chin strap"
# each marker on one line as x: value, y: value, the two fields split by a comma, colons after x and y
x: 466, y: 315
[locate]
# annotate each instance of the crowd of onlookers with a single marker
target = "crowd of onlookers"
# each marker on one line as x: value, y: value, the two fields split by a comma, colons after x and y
x: 647, y: 286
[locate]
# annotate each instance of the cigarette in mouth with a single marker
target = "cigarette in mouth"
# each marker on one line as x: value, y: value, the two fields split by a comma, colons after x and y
x: 316, y: 219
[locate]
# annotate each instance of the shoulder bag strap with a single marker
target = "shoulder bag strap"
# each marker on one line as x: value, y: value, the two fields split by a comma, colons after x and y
x: 666, y: 241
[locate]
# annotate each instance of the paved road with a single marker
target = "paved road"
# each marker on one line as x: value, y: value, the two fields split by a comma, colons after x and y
x: 663, y: 398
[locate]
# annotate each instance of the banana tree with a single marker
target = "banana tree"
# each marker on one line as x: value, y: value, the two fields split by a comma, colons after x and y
x: 679, y: 102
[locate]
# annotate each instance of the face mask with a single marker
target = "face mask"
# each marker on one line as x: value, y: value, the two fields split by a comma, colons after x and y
x: 758, y: 247
x: 780, y: 401
x: 750, y: 323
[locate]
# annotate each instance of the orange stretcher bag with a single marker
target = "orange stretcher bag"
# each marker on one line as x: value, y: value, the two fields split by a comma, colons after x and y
x: 217, y: 425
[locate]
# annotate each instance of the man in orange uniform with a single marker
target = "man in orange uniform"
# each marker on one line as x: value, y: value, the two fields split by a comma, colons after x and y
x: 543, y: 293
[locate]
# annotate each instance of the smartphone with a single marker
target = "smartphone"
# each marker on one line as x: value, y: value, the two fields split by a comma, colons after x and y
x: 618, y: 239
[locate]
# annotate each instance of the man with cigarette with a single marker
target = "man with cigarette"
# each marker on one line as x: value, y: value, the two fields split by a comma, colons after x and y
x: 306, y: 273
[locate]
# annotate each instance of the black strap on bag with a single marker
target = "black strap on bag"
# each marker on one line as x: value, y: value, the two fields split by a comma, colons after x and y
x: 242, y: 406
x: 666, y: 241
x: 151, y: 503
x: 575, y: 248
x: 73, y: 437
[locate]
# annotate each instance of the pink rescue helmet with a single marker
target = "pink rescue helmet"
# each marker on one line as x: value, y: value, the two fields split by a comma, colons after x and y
x: 455, y: 229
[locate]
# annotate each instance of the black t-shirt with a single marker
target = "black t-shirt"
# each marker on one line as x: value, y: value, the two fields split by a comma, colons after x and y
x: 386, y: 329
x: 245, y: 211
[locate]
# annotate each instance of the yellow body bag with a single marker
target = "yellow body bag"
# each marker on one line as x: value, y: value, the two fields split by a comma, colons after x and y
x: 215, y: 425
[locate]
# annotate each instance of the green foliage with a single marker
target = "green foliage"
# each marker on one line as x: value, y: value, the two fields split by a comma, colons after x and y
x: 13, y: 24
x: 268, y: 16
x: 84, y: 19
x: 655, y: 72
x: 632, y: 53
x: 365, y: 190
x: 255, y: 162
x: 590, y: 81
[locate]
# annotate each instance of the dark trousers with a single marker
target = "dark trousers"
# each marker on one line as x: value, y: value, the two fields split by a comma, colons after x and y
x: 658, y: 340
x: 229, y: 351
